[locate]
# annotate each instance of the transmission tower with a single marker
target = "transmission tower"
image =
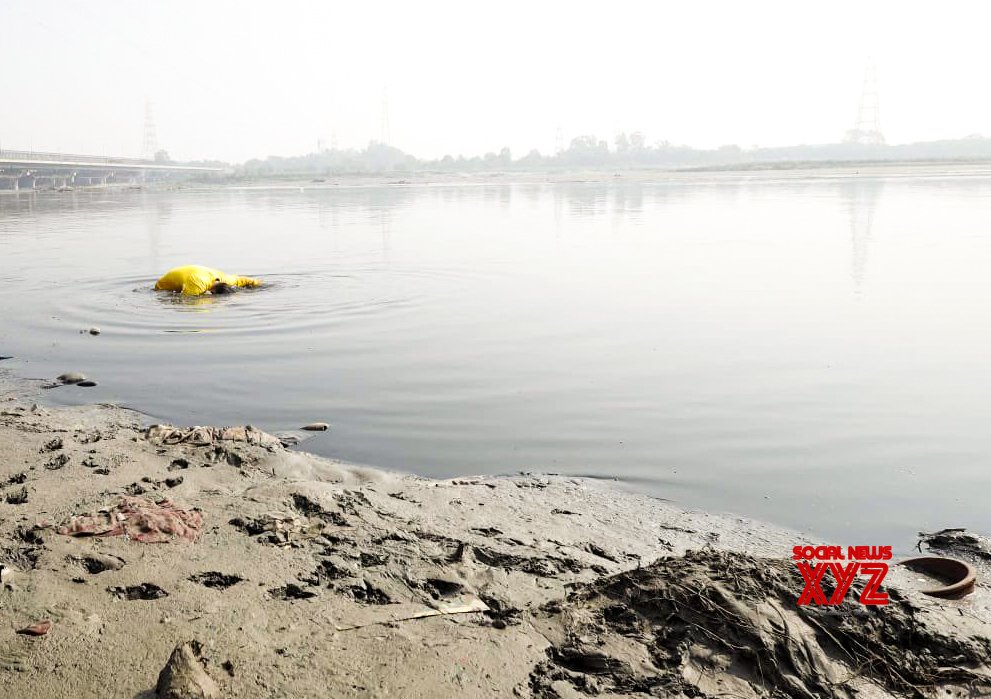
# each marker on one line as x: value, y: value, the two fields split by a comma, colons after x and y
x: 867, y: 130
x: 150, y: 144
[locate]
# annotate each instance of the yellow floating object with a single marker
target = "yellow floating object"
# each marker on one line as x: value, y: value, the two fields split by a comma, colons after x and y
x: 196, y: 280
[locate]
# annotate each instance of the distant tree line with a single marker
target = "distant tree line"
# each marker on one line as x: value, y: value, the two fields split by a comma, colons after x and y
x: 628, y: 151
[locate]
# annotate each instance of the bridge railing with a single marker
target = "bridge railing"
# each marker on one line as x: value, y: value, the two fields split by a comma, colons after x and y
x: 35, y: 156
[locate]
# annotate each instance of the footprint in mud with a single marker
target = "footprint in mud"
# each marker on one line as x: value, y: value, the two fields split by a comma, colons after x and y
x: 501, y: 612
x: 308, y: 507
x: 98, y: 563
x: 326, y: 572
x: 438, y: 588
x: 439, y: 548
x: 23, y: 558
x: 30, y: 535
x: 216, y: 579
x: 16, y: 479
x: 57, y: 462
x: 366, y: 593
x: 290, y: 592
x: 89, y: 437
x: 144, y: 591
x: 178, y: 464
x: 135, y: 489
x: 53, y: 444
x: 17, y: 497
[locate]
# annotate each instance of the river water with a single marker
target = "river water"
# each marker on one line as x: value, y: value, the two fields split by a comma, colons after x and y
x: 811, y: 349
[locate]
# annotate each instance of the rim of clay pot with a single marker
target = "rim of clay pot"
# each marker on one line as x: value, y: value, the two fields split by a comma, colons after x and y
x: 960, y: 576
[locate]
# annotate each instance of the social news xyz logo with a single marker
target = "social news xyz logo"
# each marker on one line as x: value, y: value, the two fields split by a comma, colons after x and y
x: 830, y: 559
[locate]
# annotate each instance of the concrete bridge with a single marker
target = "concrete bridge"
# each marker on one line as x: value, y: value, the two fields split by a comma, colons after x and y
x: 33, y: 170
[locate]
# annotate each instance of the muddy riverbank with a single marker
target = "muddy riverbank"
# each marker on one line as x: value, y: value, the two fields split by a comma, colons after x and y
x: 298, y: 576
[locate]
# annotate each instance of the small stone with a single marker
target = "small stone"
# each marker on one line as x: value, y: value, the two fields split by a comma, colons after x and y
x: 71, y: 377
x: 87, y: 384
x: 184, y: 676
x: 39, y: 629
x: 94, y: 331
x: 316, y: 427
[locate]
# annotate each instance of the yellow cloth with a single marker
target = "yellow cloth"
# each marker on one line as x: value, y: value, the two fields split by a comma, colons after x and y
x: 196, y: 280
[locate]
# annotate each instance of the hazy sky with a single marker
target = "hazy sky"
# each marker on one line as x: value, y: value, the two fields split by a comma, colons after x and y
x: 235, y: 80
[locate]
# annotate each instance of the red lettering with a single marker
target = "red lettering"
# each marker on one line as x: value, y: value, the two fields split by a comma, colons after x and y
x: 869, y: 553
x: 813, y: 577
x: 872, y: 594
x: 844, y: 578
x: 817, y: 553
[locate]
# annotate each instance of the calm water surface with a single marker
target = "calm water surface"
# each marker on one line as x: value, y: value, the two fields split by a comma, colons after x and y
x: 811, y: 350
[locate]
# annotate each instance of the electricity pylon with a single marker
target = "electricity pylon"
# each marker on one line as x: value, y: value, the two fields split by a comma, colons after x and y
x: 867, y: 130
x: 149, y: 145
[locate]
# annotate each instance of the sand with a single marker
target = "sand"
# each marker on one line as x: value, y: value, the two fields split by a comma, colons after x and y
x: 314, y: 578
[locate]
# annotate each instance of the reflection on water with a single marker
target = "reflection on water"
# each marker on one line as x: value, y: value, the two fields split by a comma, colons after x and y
x: 862, y: 196
x: 796, y: 347
x: 204, y: 302
x: 157, y: 217
x: 197, y: 304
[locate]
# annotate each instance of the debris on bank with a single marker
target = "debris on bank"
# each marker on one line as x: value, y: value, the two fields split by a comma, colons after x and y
x: 957, y: 541
x: 39, y: 629
x: 139, y: 519
x: 206, y: 436
x: 721, y: 624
